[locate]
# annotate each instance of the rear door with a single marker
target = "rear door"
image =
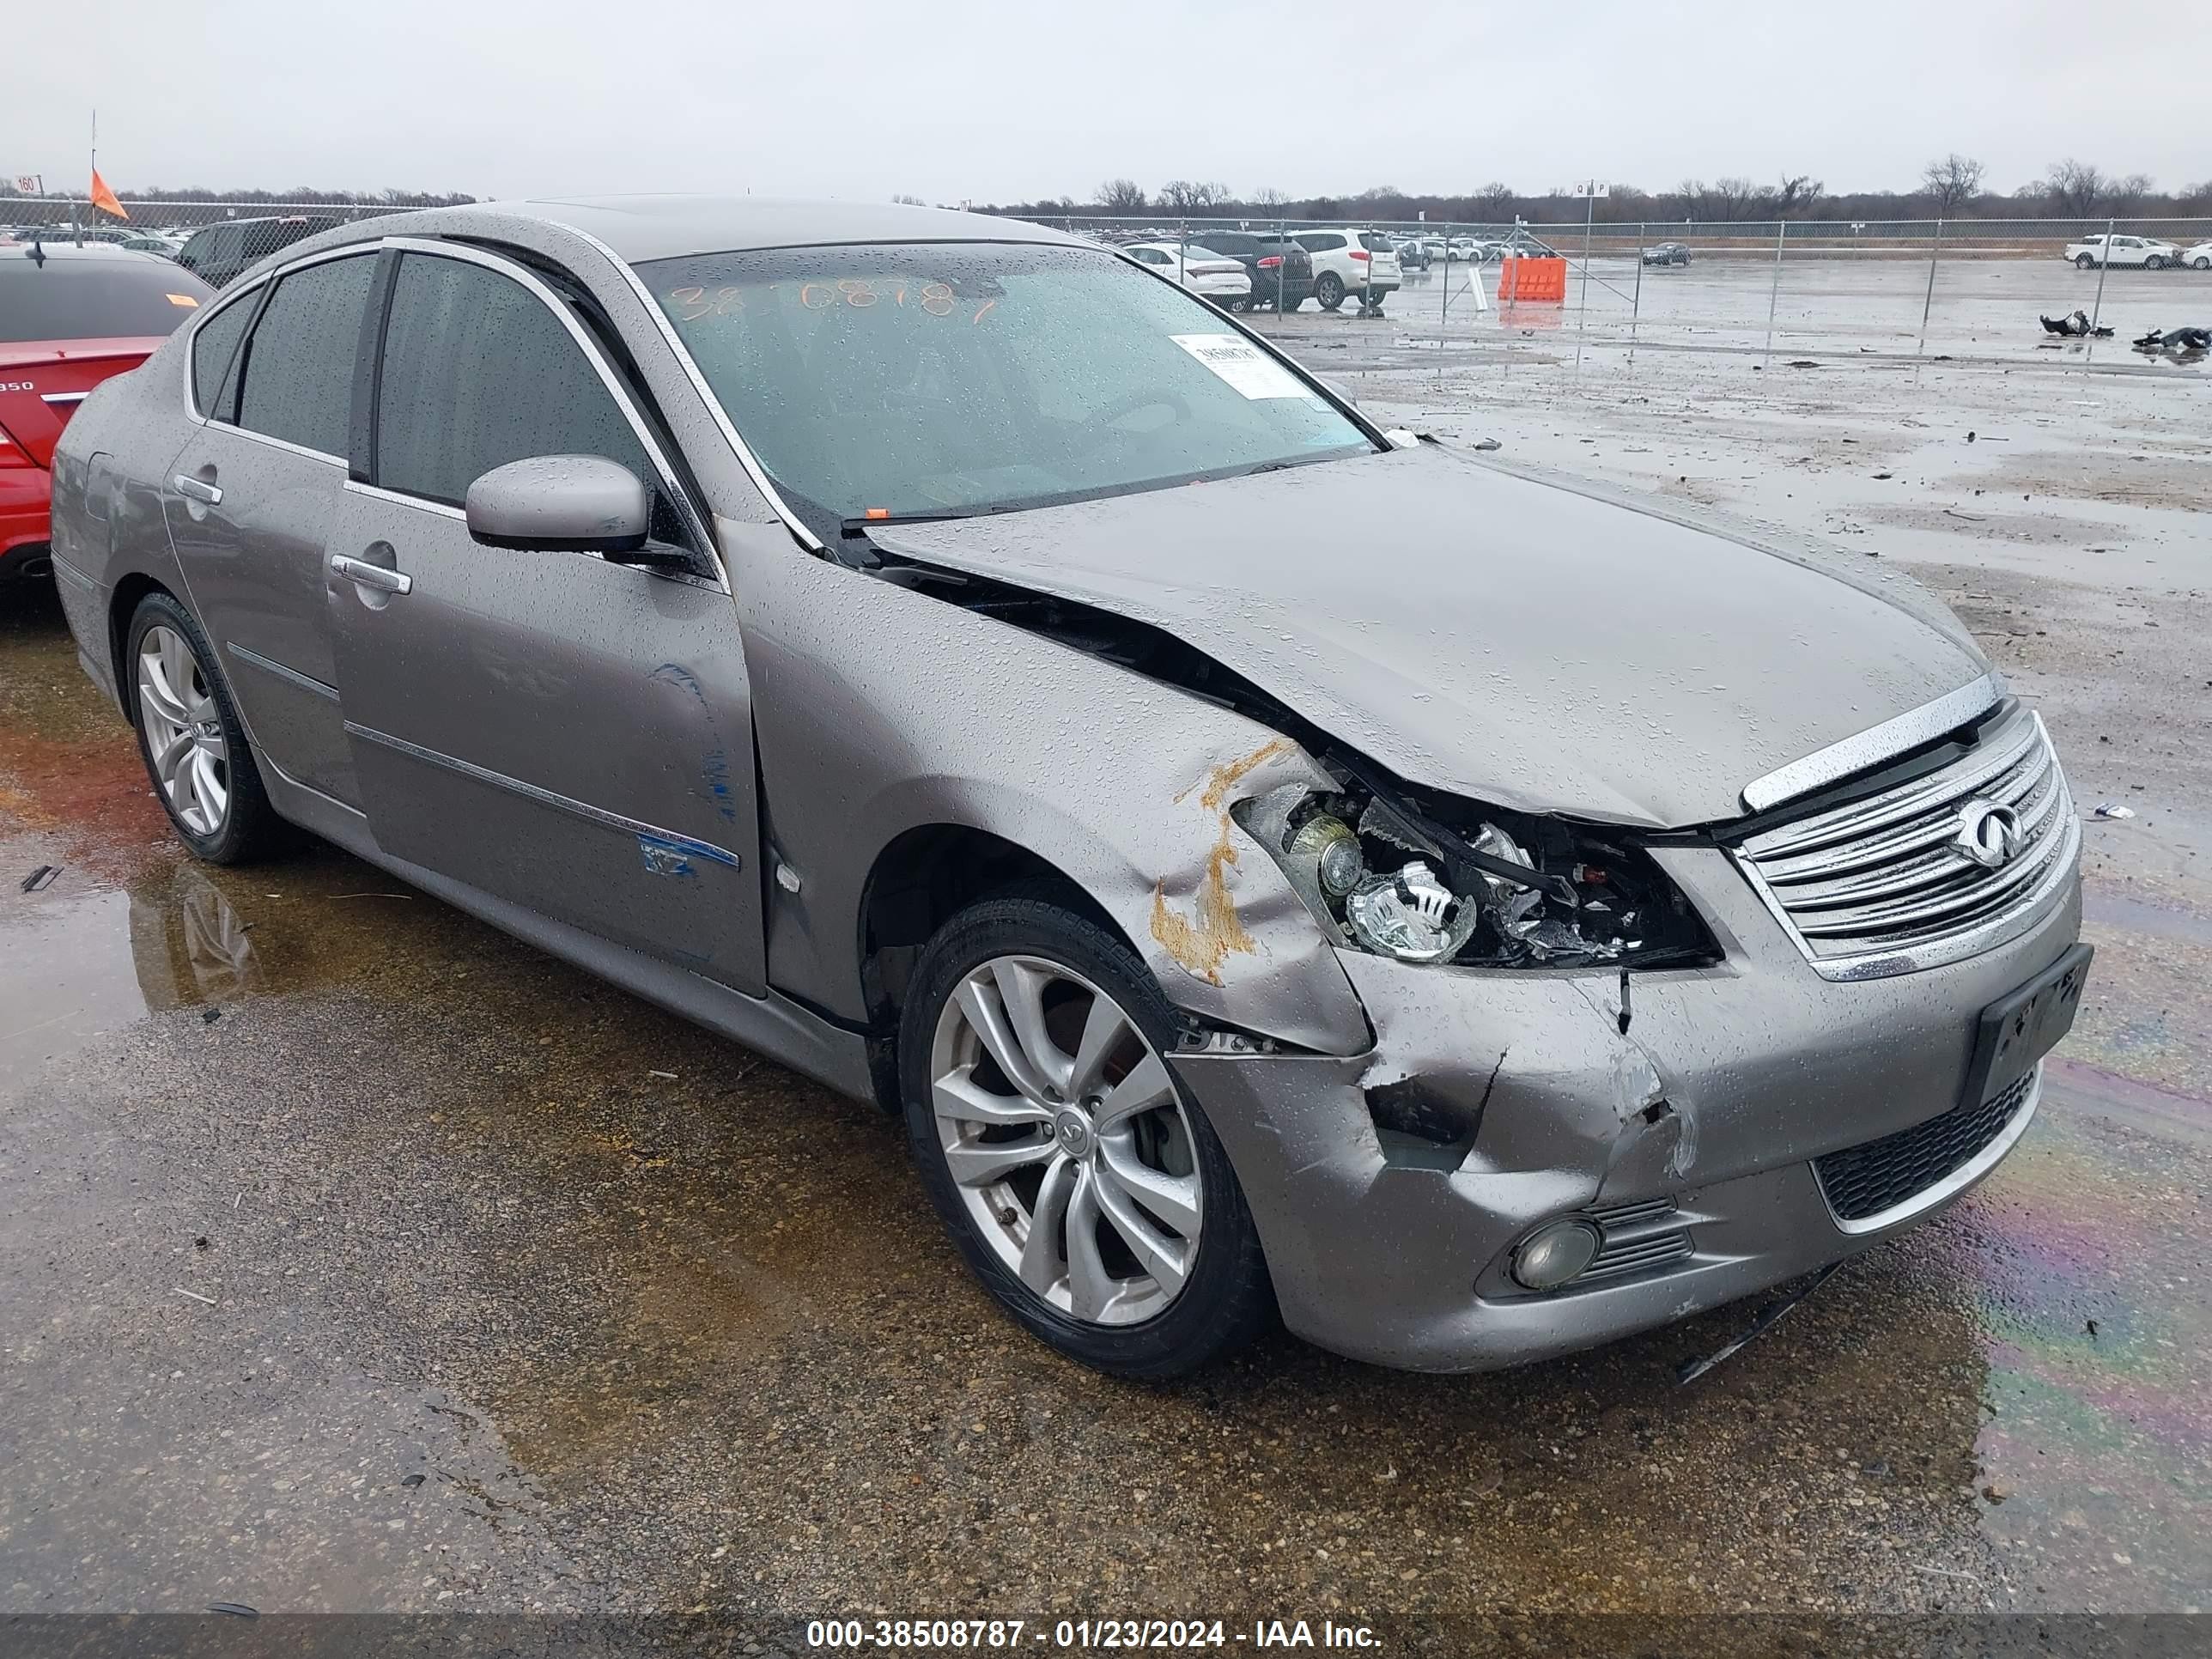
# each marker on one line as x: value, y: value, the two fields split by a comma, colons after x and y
x: 566, y: 734
x: 251, y: 500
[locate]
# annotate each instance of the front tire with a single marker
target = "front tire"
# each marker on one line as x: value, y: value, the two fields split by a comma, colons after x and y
x: 1085, y: 1189
x: 191, y: 741
x: 2084, y: 262
x: 2156, y: 262
x: 2203, y: 262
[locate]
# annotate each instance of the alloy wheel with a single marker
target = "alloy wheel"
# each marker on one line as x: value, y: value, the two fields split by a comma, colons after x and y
x: 1063, y: 1130
x: 182, y: 730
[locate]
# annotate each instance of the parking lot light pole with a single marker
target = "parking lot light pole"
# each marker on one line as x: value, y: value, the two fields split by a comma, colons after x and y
x: 1928, y: 304
x: 1774, y: 292
x: 2097, y: 309
x: 1635, y: 304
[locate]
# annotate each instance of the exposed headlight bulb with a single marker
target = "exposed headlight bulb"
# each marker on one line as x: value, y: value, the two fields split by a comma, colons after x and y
x: 1409, y: 915
x: 1338, y: 864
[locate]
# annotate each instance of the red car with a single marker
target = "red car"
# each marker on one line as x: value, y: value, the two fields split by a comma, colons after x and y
x: 69, y: 317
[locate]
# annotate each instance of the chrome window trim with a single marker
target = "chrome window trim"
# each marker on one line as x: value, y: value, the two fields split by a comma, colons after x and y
x: 1952, y: 1185
x: 607, y: 377
x: 1875, y: 744
x: 400, y: 498
x: 684, y: 360
x: 585, y: 810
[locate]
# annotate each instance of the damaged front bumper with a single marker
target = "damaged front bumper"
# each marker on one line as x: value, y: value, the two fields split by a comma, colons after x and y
x: 1390, y: 1189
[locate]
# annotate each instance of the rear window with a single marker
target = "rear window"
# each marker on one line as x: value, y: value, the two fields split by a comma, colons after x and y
x: 1375, y: 242
x: 67, y: 299
x: 1321, y: 242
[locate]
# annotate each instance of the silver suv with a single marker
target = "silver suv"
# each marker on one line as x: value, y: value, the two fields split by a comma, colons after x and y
x: 925, y: 650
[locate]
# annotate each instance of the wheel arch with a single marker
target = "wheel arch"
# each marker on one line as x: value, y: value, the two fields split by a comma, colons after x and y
x: 123, y: 604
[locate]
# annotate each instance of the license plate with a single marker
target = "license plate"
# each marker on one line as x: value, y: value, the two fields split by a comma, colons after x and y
x: 2019, y: 1030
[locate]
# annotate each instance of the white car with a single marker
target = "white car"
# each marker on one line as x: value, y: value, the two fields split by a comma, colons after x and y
x: 1350, y: 262
x: 2145, y: 251
x: 1211, y: 276
x: 2198, y: 257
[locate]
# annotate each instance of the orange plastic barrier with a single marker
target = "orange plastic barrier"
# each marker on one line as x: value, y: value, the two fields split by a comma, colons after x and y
x: 1530, y: 280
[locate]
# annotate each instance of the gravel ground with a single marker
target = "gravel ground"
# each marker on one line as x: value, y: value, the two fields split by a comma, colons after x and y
x: 356, y: 1257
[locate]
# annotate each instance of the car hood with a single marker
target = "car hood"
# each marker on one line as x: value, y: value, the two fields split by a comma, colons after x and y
x: 1539, y: 644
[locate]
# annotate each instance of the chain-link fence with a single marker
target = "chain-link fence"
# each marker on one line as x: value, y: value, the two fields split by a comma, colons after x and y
x: 1969, y: 290
x: 1960, y: 291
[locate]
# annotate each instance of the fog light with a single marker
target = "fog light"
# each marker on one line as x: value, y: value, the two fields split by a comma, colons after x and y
x: 1555, y: 1253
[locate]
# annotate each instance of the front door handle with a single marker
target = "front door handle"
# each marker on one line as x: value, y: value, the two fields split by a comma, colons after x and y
x: 366, y: 574
x: 199, y: 488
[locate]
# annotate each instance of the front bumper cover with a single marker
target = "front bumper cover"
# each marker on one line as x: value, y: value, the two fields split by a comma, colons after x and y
x: 1728, y: 1083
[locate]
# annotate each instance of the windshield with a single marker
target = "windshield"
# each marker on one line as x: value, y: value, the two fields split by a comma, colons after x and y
x: 950, y: 379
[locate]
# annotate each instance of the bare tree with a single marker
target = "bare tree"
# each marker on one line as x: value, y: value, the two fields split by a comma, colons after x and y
x: 1495, y: 199
x: 1268, y: 197
x: 2078, y: 188
x: 2122, y: 195
x: 1723, y: 199
x: 1798, y: 191
x: 910, y: 201
x: 1954, y: 179
x: 1121, y: 196
x: 1187, y: 196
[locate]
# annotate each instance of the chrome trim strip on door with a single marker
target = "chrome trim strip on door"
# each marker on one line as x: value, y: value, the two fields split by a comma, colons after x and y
x: 64, y: 396
x: 598, y: 815
x: 237, y: 293
x: 291, y: 676
x: 753, y: 470
x: 355, y: 487
x: 1875, y: 744
x: 607, y: 377
x: 1954, y: 1183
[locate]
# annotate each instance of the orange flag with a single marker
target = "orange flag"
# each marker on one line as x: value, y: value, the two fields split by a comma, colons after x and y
x: 103, y: 199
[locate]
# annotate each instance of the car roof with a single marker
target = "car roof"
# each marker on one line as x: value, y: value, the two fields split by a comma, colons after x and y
x: 662, y: 227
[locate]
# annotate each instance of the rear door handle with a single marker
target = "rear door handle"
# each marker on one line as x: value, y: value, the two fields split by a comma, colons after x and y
x: 199, y: 488
x: 372, y: 575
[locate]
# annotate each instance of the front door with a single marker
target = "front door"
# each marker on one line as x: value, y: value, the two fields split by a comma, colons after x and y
x: 251, y: 501
x: 564, y: 733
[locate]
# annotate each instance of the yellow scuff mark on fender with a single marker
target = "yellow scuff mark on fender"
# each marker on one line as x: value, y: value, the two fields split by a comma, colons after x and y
x: 1202, y: 941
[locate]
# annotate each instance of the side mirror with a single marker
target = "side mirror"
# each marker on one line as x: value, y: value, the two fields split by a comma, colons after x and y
x: 561, y: 504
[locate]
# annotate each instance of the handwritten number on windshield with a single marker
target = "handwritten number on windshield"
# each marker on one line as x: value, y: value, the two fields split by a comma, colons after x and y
x: 696, y: 304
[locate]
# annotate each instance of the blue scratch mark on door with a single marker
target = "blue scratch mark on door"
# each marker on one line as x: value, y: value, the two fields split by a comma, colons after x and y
x: 714, y: 765
x: 665, y: 858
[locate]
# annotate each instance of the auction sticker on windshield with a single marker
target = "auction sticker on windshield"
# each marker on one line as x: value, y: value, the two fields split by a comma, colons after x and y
x: 1242, y: 365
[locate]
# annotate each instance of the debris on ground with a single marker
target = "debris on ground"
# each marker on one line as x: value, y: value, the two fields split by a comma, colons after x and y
x: 2177, y: 342
x: 41, y: 877
x: 2076, y: 327
x: 194, y: 1295
x: 209, y: 1016
x: 235, y: 1609
x: 2112, y: 809
x: 1764, y: 1320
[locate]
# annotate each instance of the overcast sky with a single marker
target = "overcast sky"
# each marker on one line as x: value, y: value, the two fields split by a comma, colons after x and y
x: 987, y: 100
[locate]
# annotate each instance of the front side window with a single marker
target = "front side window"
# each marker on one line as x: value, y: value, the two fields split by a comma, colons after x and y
x: 478, y: 373
x: 295, y: 380
x: 945, y: 379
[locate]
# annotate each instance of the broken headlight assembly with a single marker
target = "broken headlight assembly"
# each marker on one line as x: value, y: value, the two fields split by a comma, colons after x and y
x: 1450, y: 881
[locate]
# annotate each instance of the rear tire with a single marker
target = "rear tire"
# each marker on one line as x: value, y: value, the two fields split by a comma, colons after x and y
x: 2156, y: 262
x: 1050, y: 1151
x: 188, y: 727
x: 1328, y: 290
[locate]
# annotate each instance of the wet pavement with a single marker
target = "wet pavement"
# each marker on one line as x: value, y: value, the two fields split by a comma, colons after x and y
x: 356, y: 1257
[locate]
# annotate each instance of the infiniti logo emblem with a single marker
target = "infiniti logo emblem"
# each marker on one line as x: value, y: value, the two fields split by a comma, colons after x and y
x: 1989, y: 835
